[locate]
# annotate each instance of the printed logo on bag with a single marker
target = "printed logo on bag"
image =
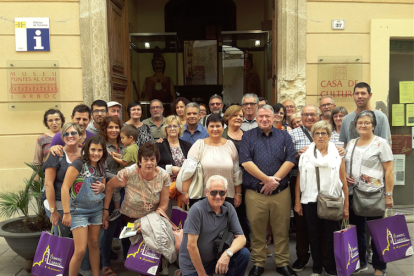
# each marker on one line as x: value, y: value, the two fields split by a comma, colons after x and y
x: 50, y: 262
x: 146, y: 255
x: 352, y: 254
x: 398, y: 241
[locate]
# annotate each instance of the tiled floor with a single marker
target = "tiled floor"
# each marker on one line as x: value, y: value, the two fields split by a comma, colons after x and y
x: 11, y: 264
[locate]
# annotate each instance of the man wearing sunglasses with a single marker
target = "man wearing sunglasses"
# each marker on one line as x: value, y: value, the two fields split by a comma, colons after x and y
x: 99, y: 112
x: 216, y: 107
x: 206, y: 219
x: 267, y: 155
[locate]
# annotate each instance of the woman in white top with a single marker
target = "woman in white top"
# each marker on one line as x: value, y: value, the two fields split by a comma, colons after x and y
x: 332, y: 183
x: 372, y: 160
x: 219, y: 157
x: 337, y: 116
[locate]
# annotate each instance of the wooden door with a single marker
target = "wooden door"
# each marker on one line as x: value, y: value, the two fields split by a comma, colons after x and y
x: 118, y: 40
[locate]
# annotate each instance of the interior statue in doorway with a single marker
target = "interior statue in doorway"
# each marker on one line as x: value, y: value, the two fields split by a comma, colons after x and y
x: 158, y: 86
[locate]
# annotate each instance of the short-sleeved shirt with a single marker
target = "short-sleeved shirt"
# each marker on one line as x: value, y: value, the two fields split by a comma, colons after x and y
x: 57, y: 139
x: 142, y: 196
x: 84, y: 170
x: 248, y: 124
x: 268, y: 153
x: 367, y: 168
x: 156, y: 130
x: 144, y: 135
x: 42, y: 149
x: 207, y: 225
x: 61, y: 168
x: 130, y: 155
x: 349, y: 132
x: 199, y: 133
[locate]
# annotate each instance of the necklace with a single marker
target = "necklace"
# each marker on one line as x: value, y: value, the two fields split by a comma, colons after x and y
x: 70, y: 153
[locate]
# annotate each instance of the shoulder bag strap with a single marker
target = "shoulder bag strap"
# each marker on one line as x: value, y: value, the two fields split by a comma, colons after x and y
x: 163, y: 214
x: 307, y: 135
x: 318, y: 177
x: 225, y: 234
x: 352, y: 157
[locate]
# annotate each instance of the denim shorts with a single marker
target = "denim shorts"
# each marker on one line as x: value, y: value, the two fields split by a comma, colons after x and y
x: 83, y: 217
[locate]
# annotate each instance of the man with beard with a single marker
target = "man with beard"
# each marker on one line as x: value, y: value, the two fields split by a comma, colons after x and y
x: 216, y: 107
x: 193, y: 130
x: 362, y: 95
x: 158, y: 86
x: 156, y: 121
x: 327, y: 104
x: 99, y: 111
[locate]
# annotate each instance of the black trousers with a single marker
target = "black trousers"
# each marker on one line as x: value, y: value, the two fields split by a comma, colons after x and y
x: 316, y: 240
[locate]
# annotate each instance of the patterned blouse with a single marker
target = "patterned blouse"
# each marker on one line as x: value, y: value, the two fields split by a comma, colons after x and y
x: 141, y: 196
x: 42, y: 149
x: 178, y: 157
x: 145, y: 135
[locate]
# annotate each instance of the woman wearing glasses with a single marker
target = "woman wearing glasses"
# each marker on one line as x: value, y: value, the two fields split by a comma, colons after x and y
x: 218, y: 157
x: 55, y: 168
x: 368, y: 160
x: 173, y: 151
x: 337, y: 116
x: 53, y: 119
x: 280, y: 121
x: 321, y: 165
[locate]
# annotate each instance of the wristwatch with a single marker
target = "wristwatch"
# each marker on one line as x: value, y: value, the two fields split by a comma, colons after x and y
x: 388, y: 194
x: 52, y: 210
x: 229, y: 253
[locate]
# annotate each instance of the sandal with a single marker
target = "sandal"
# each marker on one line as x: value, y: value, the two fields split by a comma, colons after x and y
x: 107, y: 271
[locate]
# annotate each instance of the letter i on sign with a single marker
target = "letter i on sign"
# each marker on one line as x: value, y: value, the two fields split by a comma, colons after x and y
x: 38, y: 39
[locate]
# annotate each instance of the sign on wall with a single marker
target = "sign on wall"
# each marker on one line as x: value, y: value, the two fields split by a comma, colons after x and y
x: 32, y: 34
x: 33, y: 84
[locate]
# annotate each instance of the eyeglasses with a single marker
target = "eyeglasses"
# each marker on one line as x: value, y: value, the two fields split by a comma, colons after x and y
x: 72, y: 133
x: 246, y: 104
x: 309, y: 114
x: 323, y: 134
x: 290, y: 106
x: 214, y: 193
x: 326, y: 105
x: 53, y: 120
x: 364, y: 123
x: 213, y: 104
x: 155, y: 107
x: 99, y: 111
x: 172, y: 126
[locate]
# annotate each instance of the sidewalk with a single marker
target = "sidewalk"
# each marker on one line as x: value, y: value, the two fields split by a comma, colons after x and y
x: 11, y: 264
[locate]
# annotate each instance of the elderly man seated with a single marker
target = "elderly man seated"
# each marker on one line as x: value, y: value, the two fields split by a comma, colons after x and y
x: 206, y: 219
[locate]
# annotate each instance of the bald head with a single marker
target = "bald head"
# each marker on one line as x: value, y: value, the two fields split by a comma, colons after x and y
x: 290, y: 107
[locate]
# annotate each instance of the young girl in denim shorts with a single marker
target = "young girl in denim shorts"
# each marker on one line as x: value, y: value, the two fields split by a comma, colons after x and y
x: 84, y: 216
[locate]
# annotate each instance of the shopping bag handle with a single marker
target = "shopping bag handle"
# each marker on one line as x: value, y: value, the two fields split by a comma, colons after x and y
x: 52, y: 232
x: 184, y: 207
x: 345, y: 224
x: 386, y: 213
x: 165, y: 216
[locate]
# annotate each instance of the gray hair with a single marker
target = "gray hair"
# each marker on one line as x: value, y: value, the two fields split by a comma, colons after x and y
x: 215, y: 96
x: 266, y: 107
x: 322, y: 125
x: 317, y: 109
x: 325, y: 97
x: 156, y: 100
x: 368, y: 113
x: 192, y: 104
x: 251, y: 95
x: 218, y: 178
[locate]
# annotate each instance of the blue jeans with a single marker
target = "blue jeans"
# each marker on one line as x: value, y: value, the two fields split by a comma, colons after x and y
x: 64, y: 230
x: 237, y: 266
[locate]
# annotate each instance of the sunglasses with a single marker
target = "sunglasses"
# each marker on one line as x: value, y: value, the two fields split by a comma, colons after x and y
x: 214, y: 193
x: 72, y: 133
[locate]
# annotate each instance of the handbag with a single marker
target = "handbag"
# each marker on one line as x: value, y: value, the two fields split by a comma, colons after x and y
x: 330, y: 208
x: 223, y: 241
x: 178, y: 232
x: 195, y: 190
x: 367, y: 204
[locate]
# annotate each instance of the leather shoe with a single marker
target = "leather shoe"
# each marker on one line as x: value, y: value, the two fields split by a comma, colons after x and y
x: 299, y: 265
x: 286, y: 271
x: 256, y: 271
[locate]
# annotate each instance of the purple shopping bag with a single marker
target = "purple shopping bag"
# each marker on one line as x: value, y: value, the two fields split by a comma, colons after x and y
x: 178, y: 216
x: 141, y: 259
x: 53, y: 255
x: 391, y: 238
x: 346, y: 250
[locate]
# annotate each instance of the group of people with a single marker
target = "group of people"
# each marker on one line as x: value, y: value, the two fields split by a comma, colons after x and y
x: 258, y: 162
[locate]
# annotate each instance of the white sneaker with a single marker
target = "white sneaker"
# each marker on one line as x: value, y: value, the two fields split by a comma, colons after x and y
x: 316, y: 274
x: 85, y: 272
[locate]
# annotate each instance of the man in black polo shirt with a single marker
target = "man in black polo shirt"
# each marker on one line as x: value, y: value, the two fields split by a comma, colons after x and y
x: 267, y: 155
x: 206, y: 219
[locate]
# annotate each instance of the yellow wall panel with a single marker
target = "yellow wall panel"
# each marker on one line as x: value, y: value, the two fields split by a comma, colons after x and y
x: 28, y: 122
x: 12, y: 179
x: 70, y: 85
x: 19, y: 147
x: 63, y: 17
x: 337, y: 45
x: 65, y: 49
x: 357, y: 16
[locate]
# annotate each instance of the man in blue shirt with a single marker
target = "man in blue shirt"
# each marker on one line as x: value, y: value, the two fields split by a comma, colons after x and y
x: 193, y: 130
x: 267, y: 155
